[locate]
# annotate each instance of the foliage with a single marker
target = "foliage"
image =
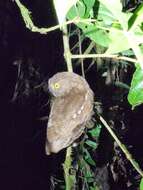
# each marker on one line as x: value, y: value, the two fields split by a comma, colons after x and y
x: 86, y: 164
x: 135, y: 96
x: 116, y: 30
x: 104, y: 23
x: 64, y: 6
x: 141, y: 184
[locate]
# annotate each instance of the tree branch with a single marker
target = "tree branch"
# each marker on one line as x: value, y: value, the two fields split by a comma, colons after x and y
x: 122, y: 146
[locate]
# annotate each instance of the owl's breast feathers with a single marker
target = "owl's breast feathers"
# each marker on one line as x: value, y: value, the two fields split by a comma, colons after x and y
x: 68, y: 117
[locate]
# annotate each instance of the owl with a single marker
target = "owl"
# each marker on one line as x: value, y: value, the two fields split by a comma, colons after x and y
x: 71, y: 109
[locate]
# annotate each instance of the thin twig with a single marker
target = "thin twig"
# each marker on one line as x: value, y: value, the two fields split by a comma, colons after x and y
x: 103, y: 56
x: 122, y: 146
x: 87, y: 51
x: 80, y: 52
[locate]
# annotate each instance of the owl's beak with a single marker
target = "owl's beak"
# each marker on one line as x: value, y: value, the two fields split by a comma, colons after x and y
x: 49, y: 88
x: 51, y: 91
x: 47, y: 149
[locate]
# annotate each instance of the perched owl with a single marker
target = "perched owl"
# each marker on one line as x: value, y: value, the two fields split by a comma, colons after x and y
x: 71, y: 108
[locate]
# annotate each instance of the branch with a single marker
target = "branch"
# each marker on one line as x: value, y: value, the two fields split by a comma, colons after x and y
x: 26, y: 15
x: 67, y: 52
x: 104, y: 56
x: 122, y: 146
x: 69, y: 178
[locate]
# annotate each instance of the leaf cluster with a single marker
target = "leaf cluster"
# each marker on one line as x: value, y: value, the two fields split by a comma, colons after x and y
x: 115, y: 30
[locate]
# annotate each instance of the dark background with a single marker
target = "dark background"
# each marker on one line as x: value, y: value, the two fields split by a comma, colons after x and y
x: 23, y: 163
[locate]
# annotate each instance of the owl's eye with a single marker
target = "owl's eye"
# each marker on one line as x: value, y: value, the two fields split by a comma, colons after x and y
x: 56, y: 85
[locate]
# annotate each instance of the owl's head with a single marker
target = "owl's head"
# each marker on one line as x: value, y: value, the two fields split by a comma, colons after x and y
x: 61, y: 83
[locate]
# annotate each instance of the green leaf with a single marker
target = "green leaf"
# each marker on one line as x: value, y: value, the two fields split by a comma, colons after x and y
x: 95, y: 132
x: 115, y: 7
x: 88, y: 157
x: 136, y: 18
x: 63, y: 8
x: 101, y: 37
x: 92, y: 188
x: 85, y: 168
x: 128, y: 53
x: 119, y: 42
x: 77, y: 10
x: 89, y: 5
x: 135, y: 96
x: 105, y: 15
x: 95, y: 34
x: 91, y: 144
x: 81, y: 9
x: 90, y: 30
x: 141, y: 184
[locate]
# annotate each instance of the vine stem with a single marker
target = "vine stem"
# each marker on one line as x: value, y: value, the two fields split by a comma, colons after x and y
x: 122, y: 146
x: 69, y: 179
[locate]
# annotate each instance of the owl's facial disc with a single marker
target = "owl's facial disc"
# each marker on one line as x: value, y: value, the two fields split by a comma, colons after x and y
x: 54, y: 87
x: 59, y: 85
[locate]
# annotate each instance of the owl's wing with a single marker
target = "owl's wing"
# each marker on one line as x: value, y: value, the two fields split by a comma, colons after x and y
x: 64, y: 111
x: 67, y: 119
x: 69, y: 111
